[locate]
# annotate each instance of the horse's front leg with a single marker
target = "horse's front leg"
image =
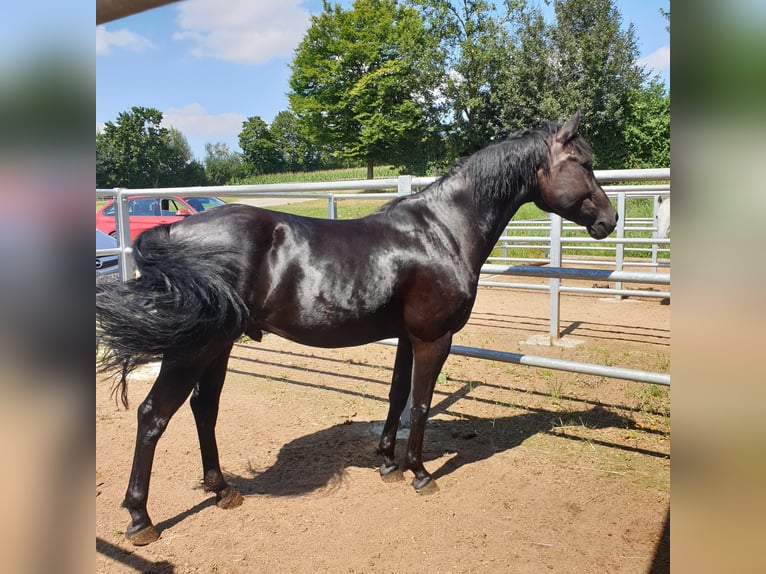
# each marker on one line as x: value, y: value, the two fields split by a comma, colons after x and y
x: 204, y: 403
x: 168, y: 393
x: 397, y: 399
x: 428, y: 359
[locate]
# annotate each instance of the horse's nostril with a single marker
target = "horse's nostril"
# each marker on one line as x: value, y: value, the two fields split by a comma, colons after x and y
x: 616, y: 217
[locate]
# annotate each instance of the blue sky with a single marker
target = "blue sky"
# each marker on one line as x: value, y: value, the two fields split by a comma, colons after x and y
x: 207, y: 65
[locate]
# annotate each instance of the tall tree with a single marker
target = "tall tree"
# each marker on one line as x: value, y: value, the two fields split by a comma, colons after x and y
x: 475, y: 47
x: 360, y: 82
x: 259, y: 151
x: 136, y: 151
x: 298, y: 152
x: 647, y: 130
x: 180, y: 168
x: 596, y: 71
x: 585, y: 61
x: 526, y: 89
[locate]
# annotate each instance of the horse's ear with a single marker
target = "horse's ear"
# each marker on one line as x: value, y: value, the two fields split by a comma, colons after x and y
x: 568, y: 130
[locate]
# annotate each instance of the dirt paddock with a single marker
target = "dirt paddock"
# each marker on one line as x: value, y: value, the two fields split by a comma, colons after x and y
x: 538, y: 470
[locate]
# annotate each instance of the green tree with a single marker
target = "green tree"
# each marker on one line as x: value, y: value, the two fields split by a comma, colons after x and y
x: 583, y: 61
x: 221, y: 164
x: 298, y: 152
x: 526, y: 89
x: 475, y: 47
x: 595, y: 71
x: 133, y: 150
x: 360, y: 83
x: 259, y: 151
x: 137, y: 152
x: 647, y: 130
x: 180, y: 168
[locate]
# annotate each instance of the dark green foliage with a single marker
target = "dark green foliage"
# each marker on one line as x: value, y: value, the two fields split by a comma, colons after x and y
x: 222, y: 165
x: 359, y: 83
x: 297, y: 150
x: 260, y: 153
x: 583, y: 61
x: 137, y: 152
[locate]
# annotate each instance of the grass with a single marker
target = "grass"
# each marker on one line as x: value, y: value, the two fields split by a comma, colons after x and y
x: 346, y: 209
x: 343, y: 174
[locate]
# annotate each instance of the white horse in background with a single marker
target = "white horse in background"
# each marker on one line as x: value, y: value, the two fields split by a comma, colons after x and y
x: 663, y: 217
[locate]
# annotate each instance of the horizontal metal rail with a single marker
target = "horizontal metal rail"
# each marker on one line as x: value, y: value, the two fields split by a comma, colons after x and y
x: 556, y: 364
x: 610, y: 240
x: 581, y: 290
x: 576, y: 273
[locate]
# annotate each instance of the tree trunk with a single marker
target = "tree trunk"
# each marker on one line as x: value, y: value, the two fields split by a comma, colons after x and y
x: 370, y: 165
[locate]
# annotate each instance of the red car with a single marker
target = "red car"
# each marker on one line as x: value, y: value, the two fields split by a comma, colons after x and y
x: 147, y: 211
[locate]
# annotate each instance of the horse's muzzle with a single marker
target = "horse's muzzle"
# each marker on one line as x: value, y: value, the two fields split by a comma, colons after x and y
x: 602, y: 227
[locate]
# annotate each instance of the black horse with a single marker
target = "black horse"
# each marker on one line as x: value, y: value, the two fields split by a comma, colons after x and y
x: 409, y: 270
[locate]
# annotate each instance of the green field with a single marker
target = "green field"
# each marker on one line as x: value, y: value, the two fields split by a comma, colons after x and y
x: 342, y: 174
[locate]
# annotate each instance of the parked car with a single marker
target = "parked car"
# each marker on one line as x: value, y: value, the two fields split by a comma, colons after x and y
x: 147, y: 211
x: 107, y: 266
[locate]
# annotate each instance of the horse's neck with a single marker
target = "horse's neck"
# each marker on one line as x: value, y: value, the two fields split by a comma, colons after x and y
x: 481, y: 222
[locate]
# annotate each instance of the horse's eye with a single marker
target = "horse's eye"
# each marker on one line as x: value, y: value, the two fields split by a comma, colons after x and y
x: 588, y: 165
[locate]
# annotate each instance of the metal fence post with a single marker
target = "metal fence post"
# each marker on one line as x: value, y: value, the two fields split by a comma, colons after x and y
x: 122, y: 224
x: 555, y: 283
x: 332, y: 208
x: 620, y: 249
x: 655, y: 230
x: 404, y: 185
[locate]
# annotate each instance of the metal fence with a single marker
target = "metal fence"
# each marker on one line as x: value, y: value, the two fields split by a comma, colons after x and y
x: 609, y: 252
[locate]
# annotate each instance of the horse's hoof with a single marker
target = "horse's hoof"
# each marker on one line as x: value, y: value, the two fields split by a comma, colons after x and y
x: 142, y: 537
x: 228, y: 498
x: 391, y: 473
x: 425, y: 486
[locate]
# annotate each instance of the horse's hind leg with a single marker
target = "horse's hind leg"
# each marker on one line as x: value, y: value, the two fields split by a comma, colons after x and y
x: 428, y: 360
x: 397, y: 397
x: 173, y: 385
x: 204, y: 403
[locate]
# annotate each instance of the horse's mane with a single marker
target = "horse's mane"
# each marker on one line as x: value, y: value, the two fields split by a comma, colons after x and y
x: 504, y: 169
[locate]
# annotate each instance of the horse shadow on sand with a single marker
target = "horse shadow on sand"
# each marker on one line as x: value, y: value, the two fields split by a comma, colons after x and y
x: 319, y: 460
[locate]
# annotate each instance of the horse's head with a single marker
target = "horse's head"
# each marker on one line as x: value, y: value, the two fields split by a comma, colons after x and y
x: 569, y: 187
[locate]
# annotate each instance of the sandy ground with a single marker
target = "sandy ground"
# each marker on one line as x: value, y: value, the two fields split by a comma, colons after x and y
x: 538, y: 470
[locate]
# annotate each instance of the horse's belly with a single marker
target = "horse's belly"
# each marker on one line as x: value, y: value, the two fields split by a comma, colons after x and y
x: 334, y: 332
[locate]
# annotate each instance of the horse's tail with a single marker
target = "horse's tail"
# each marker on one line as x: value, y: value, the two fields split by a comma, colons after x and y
x: 186, y: 295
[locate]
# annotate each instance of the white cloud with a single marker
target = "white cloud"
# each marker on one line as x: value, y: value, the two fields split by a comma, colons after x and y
x: 122, y: 38
x: 193, y: 120
x: 242, y: 30
x: 659, y: 60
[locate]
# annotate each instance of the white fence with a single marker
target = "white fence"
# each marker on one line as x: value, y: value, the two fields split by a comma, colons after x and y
x: 609, y: 252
